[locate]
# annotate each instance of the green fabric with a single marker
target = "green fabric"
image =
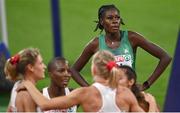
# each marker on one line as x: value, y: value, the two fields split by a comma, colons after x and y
x: 124, y: 53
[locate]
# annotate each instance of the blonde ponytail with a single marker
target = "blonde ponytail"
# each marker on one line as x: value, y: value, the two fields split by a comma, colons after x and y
x: 113, y: 78
x: 10, y: 70
x: 106, y: 67
x: 15, y: 66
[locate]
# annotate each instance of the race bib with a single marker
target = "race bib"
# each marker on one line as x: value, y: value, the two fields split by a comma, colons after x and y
x: 124, y: 60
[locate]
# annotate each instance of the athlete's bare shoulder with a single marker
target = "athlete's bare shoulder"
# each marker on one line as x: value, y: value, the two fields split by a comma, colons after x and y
x: 24, y: 102
x: 93, y: 44
x: 122, y: 88
x: 135, y: 38
x: 21, y: 95
x: 124, y: 92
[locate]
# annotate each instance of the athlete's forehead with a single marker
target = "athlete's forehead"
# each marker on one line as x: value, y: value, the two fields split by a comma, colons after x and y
x: 60, y: 64
x: 110, y: 12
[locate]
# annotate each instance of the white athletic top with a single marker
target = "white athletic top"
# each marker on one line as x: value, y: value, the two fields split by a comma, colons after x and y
x: 108, y: 98
x: 71, y: 109
x: 13, y: 97
x: 12, y: 103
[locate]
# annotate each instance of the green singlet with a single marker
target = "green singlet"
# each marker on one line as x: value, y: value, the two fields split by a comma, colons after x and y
x: 124, y: 53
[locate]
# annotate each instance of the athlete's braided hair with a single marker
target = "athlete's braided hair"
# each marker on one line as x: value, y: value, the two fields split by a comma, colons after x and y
x: 101, y: 13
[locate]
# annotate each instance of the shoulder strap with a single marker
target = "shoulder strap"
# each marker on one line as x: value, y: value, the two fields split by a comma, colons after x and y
x: 45, y: 92
x: 101, y: 42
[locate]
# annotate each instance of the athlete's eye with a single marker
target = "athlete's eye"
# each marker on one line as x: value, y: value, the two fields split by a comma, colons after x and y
x: 117, y: 17
x: 113, y: 17
x: 110, y: 17
x: 61, y: 70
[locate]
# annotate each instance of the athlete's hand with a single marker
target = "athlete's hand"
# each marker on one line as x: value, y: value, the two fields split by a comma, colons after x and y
x: 144, y: 86
x: 21, y: 86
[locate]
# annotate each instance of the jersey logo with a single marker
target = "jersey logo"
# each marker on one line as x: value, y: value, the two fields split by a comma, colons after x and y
x: 124, y: 60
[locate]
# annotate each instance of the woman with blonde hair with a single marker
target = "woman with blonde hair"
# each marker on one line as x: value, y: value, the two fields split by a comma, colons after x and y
x: 25, y: 65
x: 104, y: 95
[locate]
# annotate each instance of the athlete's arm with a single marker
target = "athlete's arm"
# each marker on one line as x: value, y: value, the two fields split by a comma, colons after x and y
x: 138, y: 40
x: 152, y: 102
x: 134, y: 106
x: 62, y: 102
x: 87, y: 53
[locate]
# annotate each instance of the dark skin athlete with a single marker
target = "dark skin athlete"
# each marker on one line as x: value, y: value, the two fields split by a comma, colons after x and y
x: 111, y: 24
x: 60, y: 76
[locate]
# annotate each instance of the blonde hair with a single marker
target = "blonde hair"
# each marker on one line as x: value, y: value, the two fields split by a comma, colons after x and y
x: 15, y: 66
x: 101, y: 60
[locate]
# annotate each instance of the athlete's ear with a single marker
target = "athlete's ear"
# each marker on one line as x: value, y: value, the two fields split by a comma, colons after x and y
x: 131, y: 82
x: 30, y: 67
x: 101, y: 21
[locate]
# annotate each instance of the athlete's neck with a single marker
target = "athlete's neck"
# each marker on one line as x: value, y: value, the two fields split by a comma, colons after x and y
x: 100, y: 80
x: 55, y: 91
x: 113, y: 36
x: 30, y: 78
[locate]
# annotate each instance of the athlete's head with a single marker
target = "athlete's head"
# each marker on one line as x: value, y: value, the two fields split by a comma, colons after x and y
x: 24, y: 63
x: 104, y: 65
x: 127, y: 79
x: 59, y: 72
x: 103, y: 14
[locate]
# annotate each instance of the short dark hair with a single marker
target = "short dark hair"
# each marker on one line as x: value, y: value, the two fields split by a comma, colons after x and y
x: 53, y: 61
